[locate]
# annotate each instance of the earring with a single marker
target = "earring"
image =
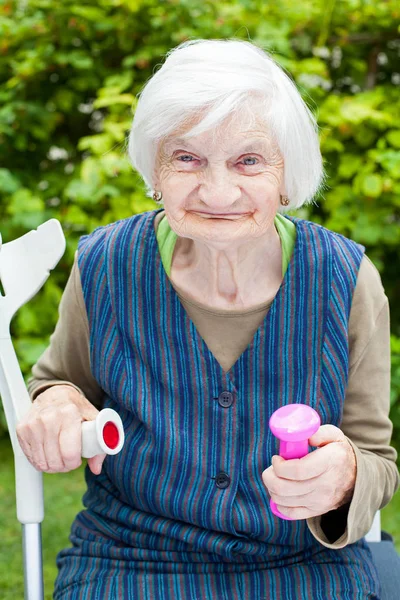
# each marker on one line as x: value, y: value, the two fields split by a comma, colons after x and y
x: 285, y: 201
x: 157, y: 197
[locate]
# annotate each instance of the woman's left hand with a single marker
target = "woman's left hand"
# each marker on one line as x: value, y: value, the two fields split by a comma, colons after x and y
x: 321, y: 481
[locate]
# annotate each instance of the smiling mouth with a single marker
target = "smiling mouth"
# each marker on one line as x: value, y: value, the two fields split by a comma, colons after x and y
x: 222, y: 216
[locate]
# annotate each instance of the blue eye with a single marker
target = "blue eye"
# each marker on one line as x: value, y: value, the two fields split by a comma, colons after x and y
x: 250, y: 158
x: 188, y: 158
x: 185, y: 156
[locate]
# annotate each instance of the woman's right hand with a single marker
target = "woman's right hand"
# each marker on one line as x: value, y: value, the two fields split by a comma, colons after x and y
x: 50, y: 434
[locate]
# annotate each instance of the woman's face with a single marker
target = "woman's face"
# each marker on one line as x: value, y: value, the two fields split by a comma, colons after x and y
x: 221, y: 187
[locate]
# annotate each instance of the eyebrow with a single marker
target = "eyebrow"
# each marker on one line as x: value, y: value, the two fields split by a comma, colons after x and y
x: 250, y: 147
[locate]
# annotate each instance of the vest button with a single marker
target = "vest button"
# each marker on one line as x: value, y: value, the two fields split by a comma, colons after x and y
x: 222, y: 480
x: 225, y: 399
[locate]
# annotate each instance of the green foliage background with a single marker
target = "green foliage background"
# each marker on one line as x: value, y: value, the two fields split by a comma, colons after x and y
x: 70, y: 73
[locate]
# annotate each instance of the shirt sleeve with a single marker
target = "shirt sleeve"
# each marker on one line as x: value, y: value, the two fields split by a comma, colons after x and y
x: 365, y: 421
x: 66, y: 361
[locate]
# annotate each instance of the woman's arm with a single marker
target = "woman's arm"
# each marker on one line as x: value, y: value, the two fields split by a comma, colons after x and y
x: 365, y: 422
x: 67, y: 360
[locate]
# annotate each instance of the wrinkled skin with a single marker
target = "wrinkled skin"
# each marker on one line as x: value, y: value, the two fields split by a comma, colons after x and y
x: 323, y: 480
x: 50, y: 434
x: 233, y: 260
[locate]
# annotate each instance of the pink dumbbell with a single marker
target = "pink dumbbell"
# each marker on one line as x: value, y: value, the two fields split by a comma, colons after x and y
x: 293, y: 425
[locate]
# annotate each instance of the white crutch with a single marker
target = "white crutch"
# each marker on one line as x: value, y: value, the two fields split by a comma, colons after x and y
x: 25, y: 265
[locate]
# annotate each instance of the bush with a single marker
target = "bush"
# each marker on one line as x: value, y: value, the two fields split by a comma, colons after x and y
x: 69, y: 77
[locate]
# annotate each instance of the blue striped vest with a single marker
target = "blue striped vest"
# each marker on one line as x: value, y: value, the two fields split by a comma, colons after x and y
x: 163, y: 491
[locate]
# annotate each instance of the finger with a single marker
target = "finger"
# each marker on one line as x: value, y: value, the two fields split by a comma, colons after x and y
x: 70, y: 437
x: 312, y: 465
x: 70, y: 441
x: 297, y: 514
x: 39, y: 460
x: 326, y: 434
x: 23, y: 435
x: 33, y: 445
x: 35, y: 455
x: 96, y: 462
x: 293, y: 501
x: 268, y: 476
x: 288, y: 487
x: 51, y: 443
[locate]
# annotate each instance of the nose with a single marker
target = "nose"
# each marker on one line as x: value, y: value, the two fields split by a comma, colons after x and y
x: 219, y: 189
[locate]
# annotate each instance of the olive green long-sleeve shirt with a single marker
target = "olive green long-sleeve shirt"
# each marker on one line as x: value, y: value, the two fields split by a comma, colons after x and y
x: 227, y: 333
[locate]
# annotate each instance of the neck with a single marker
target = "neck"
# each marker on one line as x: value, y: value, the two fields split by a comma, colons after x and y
x: 235, y: 277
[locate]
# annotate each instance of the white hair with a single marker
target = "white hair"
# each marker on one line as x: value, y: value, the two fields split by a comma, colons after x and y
x: 217, y: 79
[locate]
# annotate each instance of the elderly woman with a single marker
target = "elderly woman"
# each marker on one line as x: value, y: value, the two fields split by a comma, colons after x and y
x: 196, y: 321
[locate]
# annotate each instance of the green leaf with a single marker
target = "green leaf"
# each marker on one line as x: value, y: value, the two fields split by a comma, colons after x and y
x: 393, y: 137
x: 331, y: 144
x: 29, y: 349
x: 372, y: 185
x: 389, y: 160
x: 91, y: 172
x: 8, y: 182
x: 365, y: 136
x: 128, y: 99
x: 90, y: 13
x: 80, y: 61
x: 80, y: 192
x: 26, y: 209
x: 349, y: 165
x: 76, y: 216
x: 99, y: 144
x: 119, y: 82
x: 367, y: 232
x: 106, y: 191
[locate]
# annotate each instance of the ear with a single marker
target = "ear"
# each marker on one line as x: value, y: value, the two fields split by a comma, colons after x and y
x: 156, y: 179
x: 156, y: 168
x: 282, y: 187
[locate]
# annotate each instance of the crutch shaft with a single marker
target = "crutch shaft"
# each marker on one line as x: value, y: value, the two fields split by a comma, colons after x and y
x: 32, y: 552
